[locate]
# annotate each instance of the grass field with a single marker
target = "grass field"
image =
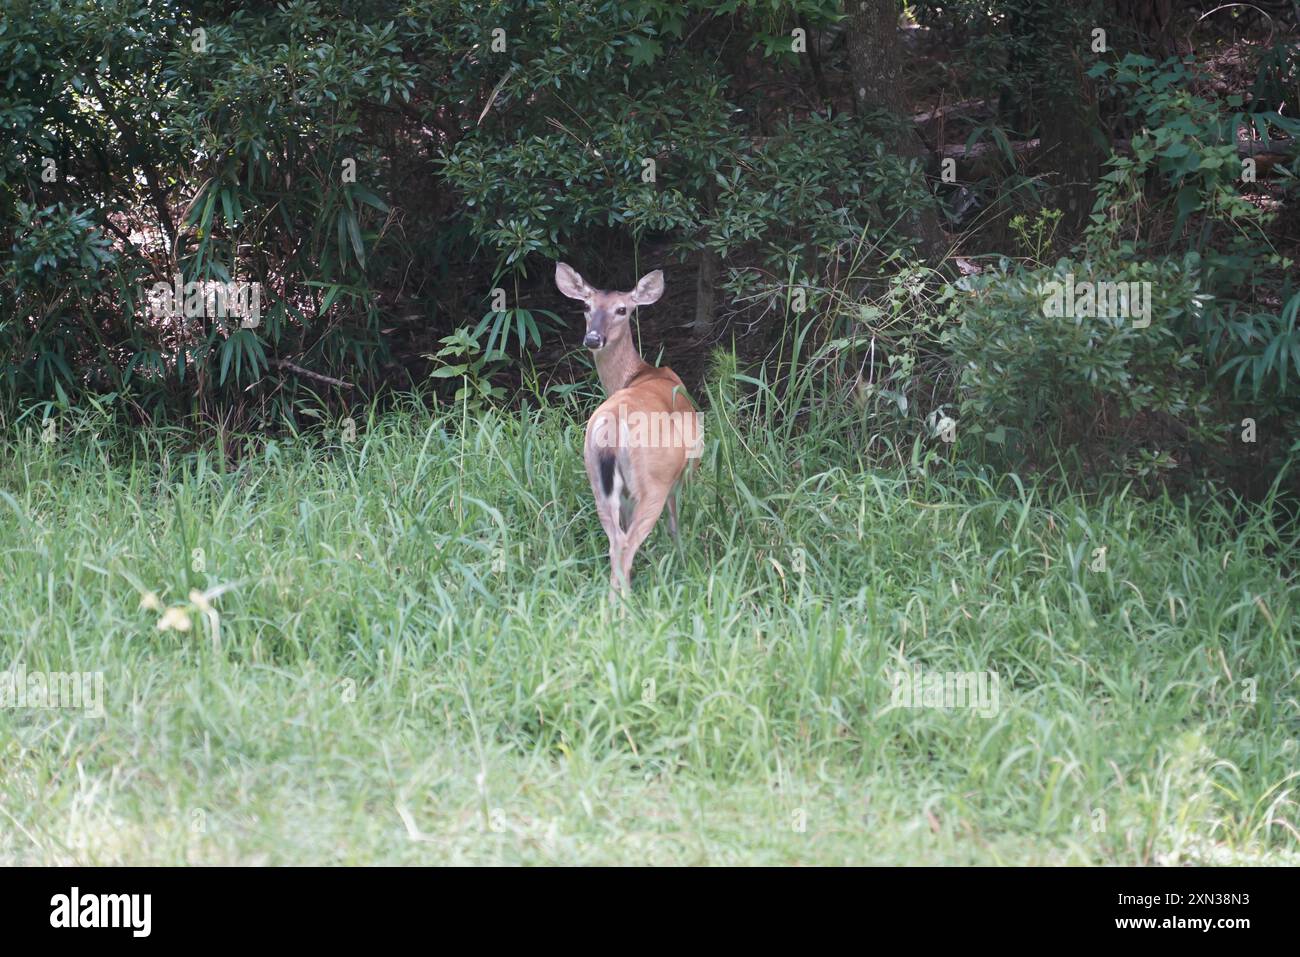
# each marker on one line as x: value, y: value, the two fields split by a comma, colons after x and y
x: 409, y: 658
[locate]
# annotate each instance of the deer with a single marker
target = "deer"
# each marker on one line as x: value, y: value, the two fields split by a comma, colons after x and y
x: 642, y: 438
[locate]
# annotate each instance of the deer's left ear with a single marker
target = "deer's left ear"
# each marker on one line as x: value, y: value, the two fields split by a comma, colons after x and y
x: 649, y: 289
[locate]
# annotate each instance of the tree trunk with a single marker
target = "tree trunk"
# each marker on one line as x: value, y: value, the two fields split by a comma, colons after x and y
x: 1069, y: 147
x: 706, y: 282
x: 1153, y: 20
x: 1053, y: 72
x: 876, y: 67
x: 705, y: 293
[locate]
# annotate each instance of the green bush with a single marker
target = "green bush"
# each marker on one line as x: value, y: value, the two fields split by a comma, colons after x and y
x: 1222, y: 344
x: 1031, y: 370
x: 217, y: 144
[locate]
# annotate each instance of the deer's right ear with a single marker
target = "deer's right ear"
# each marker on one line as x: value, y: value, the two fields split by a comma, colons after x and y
x: 570, y: 283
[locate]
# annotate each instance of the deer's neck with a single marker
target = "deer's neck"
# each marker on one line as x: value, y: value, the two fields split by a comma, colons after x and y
x: 617, y: 363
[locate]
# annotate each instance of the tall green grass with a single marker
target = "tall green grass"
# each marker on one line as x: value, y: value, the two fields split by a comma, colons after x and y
x: 410, y: 656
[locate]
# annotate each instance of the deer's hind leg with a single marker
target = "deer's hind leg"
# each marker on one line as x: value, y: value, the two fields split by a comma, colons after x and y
x: 647, y: 511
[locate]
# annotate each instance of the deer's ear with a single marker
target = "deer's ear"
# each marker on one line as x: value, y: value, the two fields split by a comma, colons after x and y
x: 570, y: 283
x: 649, y: 289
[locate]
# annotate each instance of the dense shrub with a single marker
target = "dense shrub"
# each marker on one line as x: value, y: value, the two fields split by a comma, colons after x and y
x: 357, y: 160
x: 398, y: 179
x: 1032, y: 370
x: 1221, y: 346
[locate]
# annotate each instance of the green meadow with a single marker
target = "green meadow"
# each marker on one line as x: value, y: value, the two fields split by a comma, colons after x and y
x: 396, y: 647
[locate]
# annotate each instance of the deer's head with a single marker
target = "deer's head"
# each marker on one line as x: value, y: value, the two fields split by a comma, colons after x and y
x: 607, y: 313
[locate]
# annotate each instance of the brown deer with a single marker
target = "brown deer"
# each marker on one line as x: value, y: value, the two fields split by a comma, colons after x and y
x: 642, y: 437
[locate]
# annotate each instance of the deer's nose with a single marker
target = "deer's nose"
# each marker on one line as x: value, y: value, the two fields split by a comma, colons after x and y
x: 594, y: 340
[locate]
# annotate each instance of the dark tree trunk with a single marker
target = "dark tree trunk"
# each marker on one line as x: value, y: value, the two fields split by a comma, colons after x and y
x: 706, y: 285
x: 876, y: 68
x: 1070, y: 146
x: 1053, y: 70
x: 1153, y: 21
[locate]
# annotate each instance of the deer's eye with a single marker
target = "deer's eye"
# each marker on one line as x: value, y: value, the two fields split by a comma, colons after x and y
x: 621, y: 311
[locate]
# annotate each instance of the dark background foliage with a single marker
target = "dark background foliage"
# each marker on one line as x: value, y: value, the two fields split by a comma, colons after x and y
x: 783, y: 160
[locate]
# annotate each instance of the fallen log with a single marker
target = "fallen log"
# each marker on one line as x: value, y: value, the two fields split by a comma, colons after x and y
x: 978, y: 150
x: 944, y: 110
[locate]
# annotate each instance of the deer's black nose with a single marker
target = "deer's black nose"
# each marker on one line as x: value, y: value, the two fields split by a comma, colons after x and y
x: 594, y: 340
